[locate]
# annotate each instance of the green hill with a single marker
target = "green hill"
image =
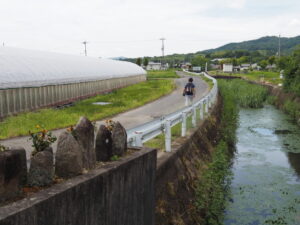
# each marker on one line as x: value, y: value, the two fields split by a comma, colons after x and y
x: 256, y: 50
x: 269, y: 44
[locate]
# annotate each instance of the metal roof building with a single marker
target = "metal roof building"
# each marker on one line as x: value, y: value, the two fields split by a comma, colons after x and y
x: 33, y: 79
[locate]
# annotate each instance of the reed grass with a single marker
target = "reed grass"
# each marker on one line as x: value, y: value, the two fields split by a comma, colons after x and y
x: 245, y: 94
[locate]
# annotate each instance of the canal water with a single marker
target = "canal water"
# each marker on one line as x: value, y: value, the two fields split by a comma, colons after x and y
x: 265, y: 186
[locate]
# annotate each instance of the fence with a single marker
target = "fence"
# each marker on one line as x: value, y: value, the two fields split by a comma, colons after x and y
x: 143, y: 133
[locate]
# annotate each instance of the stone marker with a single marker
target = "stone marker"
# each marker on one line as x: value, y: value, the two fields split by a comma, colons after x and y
x: 41, y: 168
x: 103, y: 144
x: 85, y: 136
x: 12, y: 173
x: 119, y: 140
x: 22, y: 153
x: 68, y: 157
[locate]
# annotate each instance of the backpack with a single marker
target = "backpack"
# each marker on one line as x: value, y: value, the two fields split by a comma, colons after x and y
x: 188, y: 89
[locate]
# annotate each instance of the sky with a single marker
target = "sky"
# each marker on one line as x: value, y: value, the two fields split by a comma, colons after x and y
x: 133, y: 28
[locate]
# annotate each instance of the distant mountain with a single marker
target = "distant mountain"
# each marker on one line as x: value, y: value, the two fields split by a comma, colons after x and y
x: 269, y: 43
x: 121, y: 58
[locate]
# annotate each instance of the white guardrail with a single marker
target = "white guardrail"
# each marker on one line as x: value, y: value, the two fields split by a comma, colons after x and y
x: 145, y: 132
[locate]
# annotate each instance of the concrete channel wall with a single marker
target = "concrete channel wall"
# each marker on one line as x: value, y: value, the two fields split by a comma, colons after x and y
x: 119, y: 193
x: 16, y: 100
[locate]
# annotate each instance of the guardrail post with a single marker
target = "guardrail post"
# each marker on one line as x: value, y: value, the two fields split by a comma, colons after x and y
x: 206, y: 105
x: 201, y: 107
x: 168, y: 136
x: 138, y: 139
x: 183, y: 125
x: 209, y: 102
x: 194, y: 122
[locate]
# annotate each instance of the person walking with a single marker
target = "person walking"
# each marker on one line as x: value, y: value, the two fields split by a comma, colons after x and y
x: 189, y: 92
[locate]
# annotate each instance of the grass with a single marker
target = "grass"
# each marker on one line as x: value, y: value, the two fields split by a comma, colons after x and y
x: 121, y: 99
x: 154, y: 74
x: 259, y: 76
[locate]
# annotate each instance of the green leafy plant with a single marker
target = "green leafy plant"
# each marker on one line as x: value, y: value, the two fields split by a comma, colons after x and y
x: 41, y: 139
x: 3, y: 148
x: 114, y: 158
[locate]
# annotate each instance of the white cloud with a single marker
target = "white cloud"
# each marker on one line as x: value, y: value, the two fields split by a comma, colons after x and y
x: 294, y: 23
x: 132, y: 27
x: 236, y: 4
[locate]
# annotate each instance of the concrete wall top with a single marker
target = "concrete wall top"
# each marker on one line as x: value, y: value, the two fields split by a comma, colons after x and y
x: 28, y: 68
x: 118, y: 193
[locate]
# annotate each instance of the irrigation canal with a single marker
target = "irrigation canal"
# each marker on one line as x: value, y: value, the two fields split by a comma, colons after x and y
x: 265, y: 186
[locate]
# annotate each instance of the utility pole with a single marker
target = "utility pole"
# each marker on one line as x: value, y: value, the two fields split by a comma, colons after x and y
x: 163, y: 51
x: 279, y: 46
x: 85, y: 52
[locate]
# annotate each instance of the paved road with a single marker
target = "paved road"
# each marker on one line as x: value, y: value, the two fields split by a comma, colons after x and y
x: 135, y: 117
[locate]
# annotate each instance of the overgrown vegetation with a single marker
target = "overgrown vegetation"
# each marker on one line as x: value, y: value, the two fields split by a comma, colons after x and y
x: 245, y: 94
x: 121, y: 100
x: 292, y: 73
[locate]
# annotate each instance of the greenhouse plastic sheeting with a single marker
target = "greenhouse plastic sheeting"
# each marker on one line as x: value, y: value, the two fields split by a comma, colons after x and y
x: 27, y: 68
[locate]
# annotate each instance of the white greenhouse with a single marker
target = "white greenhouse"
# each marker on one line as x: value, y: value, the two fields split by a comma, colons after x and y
x: 33, y: 79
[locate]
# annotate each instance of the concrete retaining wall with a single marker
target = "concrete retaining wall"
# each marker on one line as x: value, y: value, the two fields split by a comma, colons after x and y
x: 179, y: 171
x: 120, y: 193
x: 13, y: 101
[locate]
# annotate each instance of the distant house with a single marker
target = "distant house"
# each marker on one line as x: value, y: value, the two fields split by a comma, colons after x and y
x: 245, y: 66
x: 271, y: 67
x: 237, y: 68
x: 186, y: 66
x: 227, y: 68
x: 153, y: 66
x: 215, y: 66
x: 255, y: 66
x: 196, y: 69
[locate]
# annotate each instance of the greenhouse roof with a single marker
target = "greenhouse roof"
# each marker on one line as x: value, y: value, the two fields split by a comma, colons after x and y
x: 28, y: 68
